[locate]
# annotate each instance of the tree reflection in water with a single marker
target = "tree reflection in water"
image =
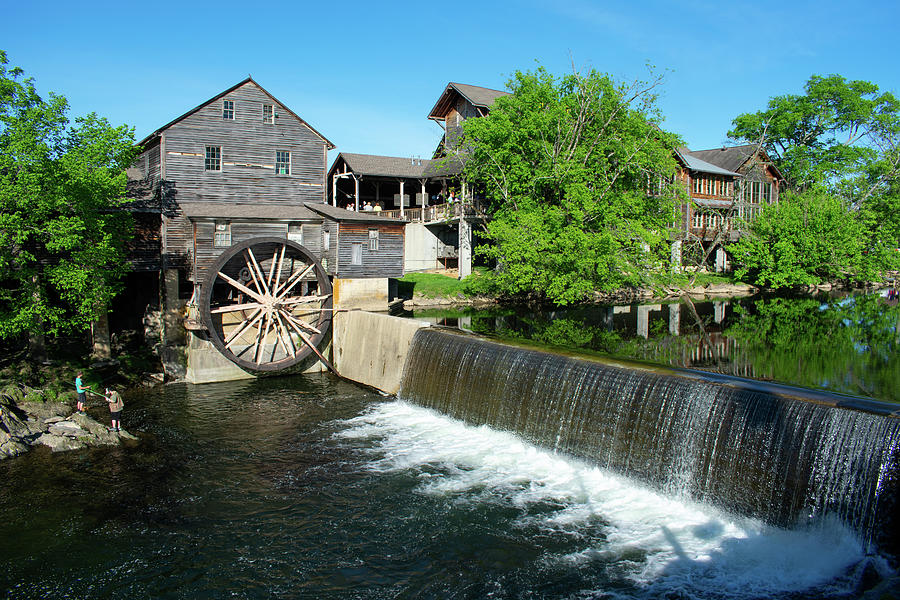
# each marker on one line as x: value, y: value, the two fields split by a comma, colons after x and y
x: 847, y: 345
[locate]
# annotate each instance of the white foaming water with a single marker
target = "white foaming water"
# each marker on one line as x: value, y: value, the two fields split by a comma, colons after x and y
x: 659, y: 544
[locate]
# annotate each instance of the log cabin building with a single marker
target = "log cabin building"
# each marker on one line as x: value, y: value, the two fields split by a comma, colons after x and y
x: 242, y: 165
x: 428, y: 194
x: 726, y: 186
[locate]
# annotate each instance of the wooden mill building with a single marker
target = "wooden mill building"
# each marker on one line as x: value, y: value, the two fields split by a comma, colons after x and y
x: 243, y: 165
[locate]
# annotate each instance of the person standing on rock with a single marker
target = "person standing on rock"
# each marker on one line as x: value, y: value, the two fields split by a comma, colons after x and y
x: 115, y: 409
x: 82, y: 392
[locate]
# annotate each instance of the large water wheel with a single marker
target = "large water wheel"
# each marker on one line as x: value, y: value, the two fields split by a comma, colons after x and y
x: 267, y: 304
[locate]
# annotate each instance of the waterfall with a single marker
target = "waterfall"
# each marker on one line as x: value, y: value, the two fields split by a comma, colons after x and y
x: 778, y: 453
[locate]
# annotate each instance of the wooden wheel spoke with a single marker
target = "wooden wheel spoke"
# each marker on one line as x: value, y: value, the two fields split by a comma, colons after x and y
x: 300, y: 323
x: 282, y: 331
x: 312, y: 346
x: 259, y: 271
x: 241, y: 287
x: 244, y: 326
x: 236, y: 307
x: 249, y: 265
x: 261, y: 342
x: 271, y: 280
x: 280, y: 265
x: 292, y: 281
x: 303, y: 300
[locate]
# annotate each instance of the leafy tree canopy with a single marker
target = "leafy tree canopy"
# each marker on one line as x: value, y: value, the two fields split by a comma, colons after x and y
x: 62, y: 243
x: 564, y: 164
x: 829, y: 134
x: 805, y: 239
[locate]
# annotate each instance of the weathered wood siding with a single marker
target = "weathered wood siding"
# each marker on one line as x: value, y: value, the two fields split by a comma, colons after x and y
x: 204, y: 231
x: 248, y: 159
x: 387, y: 261
x: 144, y: 248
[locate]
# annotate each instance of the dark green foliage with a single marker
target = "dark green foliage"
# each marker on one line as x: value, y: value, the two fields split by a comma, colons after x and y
x: 805, y: 239
x: 564, y: 163
x: 62, y: 243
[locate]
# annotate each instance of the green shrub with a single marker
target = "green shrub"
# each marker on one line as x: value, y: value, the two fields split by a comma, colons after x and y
x: 34, y: 396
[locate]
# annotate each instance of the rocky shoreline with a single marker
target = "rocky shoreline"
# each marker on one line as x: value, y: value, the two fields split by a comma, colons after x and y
x: 27, y: 420
x: 720, y: 290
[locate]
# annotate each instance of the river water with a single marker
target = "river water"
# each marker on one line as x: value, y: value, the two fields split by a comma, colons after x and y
x: 310, y: 487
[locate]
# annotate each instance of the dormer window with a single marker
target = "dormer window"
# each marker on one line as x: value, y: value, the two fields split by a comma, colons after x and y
x: 228, y: 110
x: 268, y: 114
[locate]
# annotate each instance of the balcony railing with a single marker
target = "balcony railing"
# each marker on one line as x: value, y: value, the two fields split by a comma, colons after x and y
x: 431, y: 214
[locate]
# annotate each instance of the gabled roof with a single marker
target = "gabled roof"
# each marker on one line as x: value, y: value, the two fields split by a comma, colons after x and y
x: 383, y: 166
x: 340, y: 214
x: 249, y: 79
x: 696, y: 164
x: 481, y: 97
x: 734, y: 157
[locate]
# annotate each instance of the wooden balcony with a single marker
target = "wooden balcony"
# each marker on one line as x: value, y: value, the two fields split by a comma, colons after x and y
x: 438, y: 213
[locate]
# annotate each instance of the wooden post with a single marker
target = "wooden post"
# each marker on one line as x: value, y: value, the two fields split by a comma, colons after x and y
x: 401, y: 198
x: 424, y: 200
x: 334, y: 189
x: 356, y: 193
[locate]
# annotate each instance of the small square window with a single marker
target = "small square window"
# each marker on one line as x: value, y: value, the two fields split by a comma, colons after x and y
x: 213, y: 160
x: 227, y: 109
x: 222, y: 236
x: 282, y: 162
x: 295, y: 233
x: 268, y: 114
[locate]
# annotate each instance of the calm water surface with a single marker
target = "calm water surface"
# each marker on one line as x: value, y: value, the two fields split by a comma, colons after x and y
x: 848, y: 344
x: 308, y: 487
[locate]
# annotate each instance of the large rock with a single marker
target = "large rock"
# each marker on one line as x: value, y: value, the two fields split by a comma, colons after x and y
x: 13, y: 447
x: 59, y: 443
x: 45, y: 410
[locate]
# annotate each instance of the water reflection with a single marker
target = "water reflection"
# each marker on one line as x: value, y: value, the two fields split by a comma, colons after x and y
x: 842, y: 344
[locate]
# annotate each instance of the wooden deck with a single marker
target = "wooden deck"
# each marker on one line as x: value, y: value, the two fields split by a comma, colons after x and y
x: 437, y: 213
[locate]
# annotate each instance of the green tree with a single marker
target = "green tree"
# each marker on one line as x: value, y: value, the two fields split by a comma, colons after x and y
x: 62, y: 239
x: 564, y: 164
x: 828, y: 135
x: 805, y: 239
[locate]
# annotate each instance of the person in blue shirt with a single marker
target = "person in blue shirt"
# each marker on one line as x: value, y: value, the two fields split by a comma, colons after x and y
x: 81, y: 390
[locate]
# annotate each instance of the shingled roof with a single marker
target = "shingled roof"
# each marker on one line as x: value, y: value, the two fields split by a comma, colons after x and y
x: 384, y: 166
x: 733, y: 158
x: 481, y: 97
x: 341, y: 214
x: 696, y: 164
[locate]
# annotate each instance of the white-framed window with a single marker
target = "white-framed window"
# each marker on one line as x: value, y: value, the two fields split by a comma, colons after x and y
x: 697, y: 220
x: 228, y: 109
x: 373, y: 240
x: 696, y: 182
x: 213, y: 161
x: 326, y: 240
x: 295, y: 233
x: 282, y: 162
x: 268, y: 114
x: 766, y: 192
x: 356, y: 254
x: 222, y: 235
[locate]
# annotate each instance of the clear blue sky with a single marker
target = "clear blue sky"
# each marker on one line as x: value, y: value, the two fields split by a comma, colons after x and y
x: 365, y: 74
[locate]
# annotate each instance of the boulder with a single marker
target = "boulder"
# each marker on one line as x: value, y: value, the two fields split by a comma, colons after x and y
x: 45, y: 410
x: 12, y: 447
x: 68, y: 429
x: 59, y: 443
